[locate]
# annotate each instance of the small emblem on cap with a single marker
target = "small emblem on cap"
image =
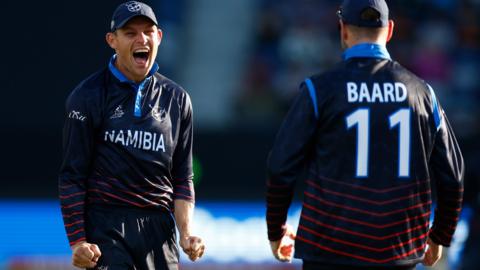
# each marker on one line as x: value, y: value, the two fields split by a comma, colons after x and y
x: 133, y: 6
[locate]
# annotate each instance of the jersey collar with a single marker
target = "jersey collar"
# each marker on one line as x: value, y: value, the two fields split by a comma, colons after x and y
x: 119, y: 75
x: 366, y: 50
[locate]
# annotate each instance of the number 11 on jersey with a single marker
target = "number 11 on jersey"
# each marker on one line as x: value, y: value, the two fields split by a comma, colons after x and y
x: 361, y: 119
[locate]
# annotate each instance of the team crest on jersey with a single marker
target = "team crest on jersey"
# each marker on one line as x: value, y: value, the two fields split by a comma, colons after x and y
x: 158, y: 114
x: 118, y: 113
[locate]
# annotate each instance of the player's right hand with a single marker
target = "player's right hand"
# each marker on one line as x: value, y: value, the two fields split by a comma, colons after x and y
x: 283, y: 249
x: 85, y: 255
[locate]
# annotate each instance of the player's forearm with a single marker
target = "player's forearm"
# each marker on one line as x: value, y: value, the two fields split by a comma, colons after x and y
x: 448, y: 169
x: 279, y: 198
x: 447, y: 214
x: 72, y: 202
x: 183, y: 216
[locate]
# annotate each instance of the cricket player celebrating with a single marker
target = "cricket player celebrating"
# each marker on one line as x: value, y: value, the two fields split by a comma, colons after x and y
x: 126, y: 176
x: 374, y: 140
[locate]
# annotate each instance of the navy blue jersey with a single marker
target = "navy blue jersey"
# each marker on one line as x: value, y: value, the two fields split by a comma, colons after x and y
x: 373, y: 139
x: 126, y: 145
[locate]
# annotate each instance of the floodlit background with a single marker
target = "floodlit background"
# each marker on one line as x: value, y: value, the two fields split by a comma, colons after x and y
x: 241, y: 61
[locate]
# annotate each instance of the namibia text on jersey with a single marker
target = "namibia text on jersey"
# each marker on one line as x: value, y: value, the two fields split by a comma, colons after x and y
x: 138, y: 139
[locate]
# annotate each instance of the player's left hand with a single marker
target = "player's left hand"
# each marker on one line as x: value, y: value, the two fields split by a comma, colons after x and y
x: 283, y: 249
x: 193, y: 246
x: 433, y: 253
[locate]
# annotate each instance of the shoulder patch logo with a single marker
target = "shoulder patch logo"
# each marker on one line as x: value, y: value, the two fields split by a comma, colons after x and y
x: 76, y: 115
x: 118, y: 113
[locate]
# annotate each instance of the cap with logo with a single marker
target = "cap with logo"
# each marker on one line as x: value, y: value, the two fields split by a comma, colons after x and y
x: 128, y: 10
x: 351, y: 12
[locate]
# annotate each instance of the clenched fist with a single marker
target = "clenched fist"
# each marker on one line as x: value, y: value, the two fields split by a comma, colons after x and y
x: 282, y: 249
x: 85, y: 255
x: 193, y: 246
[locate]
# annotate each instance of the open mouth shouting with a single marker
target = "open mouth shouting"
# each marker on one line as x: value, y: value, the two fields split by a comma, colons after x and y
x: 141, y: 56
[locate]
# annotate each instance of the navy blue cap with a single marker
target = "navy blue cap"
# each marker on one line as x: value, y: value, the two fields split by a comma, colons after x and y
x: 128, y: 10
x: 351, y: 10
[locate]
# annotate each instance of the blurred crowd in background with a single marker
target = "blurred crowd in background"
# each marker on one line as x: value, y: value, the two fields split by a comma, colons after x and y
x: 437, y: 39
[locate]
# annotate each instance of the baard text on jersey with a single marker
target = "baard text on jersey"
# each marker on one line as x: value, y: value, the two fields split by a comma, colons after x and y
x: 376, y: 92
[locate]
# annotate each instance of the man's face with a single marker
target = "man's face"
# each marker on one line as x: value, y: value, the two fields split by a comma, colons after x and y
x: 136, y: 45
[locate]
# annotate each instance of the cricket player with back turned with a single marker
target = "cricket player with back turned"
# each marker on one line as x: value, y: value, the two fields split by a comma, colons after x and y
x: 374, y: 139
